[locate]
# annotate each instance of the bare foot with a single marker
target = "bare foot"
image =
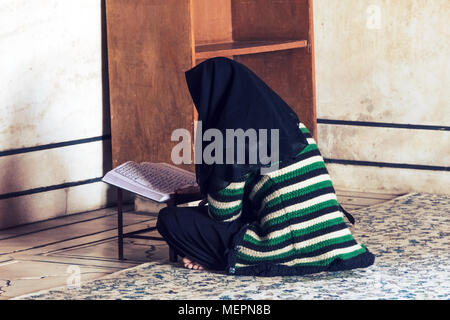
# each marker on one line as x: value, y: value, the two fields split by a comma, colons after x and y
x: 191, y: 264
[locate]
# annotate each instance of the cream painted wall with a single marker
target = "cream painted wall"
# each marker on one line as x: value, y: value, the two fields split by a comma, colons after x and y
x: 50, y: 92
x: 384, y: 61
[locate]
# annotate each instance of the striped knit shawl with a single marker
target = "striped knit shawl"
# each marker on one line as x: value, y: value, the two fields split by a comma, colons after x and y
x: 296, y: 224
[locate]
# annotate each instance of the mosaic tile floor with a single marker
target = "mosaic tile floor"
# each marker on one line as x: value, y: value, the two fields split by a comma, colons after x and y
x: 409, y: 235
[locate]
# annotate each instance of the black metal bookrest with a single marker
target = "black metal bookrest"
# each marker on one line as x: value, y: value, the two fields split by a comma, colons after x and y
x: 175, y: 200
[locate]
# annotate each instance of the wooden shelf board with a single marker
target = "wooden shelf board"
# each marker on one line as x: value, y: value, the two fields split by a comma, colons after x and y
x: 235, y: 48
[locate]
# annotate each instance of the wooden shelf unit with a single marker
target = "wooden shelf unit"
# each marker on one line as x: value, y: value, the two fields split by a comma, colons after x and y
x: 152, y: 43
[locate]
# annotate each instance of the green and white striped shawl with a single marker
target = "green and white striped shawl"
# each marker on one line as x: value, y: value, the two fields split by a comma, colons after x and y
x: 297, y: 226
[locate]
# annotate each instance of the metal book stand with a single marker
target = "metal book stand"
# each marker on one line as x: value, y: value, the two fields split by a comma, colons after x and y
x: 174, y: 200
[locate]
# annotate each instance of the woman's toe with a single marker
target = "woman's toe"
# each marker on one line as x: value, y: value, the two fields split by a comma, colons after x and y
x: 186, y: 260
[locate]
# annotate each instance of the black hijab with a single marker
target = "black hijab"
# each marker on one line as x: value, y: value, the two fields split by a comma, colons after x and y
x: 227, y: 95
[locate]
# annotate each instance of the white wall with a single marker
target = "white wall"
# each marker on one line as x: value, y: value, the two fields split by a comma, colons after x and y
x: 388, y: 62
x: 50, y: 92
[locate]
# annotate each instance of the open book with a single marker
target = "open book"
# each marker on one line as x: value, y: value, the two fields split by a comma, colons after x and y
x: 157, y: 181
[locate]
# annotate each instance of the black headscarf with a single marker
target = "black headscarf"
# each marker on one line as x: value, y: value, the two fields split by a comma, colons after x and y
x: 227, y: 95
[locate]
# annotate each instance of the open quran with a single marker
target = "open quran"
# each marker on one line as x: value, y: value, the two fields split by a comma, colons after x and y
x: 156, y: 181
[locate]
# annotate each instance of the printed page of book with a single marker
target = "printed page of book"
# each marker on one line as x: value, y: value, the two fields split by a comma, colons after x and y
x: 156, y: 181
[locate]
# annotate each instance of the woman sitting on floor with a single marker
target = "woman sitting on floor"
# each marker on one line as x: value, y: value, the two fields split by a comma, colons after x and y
x: 260, y: 222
